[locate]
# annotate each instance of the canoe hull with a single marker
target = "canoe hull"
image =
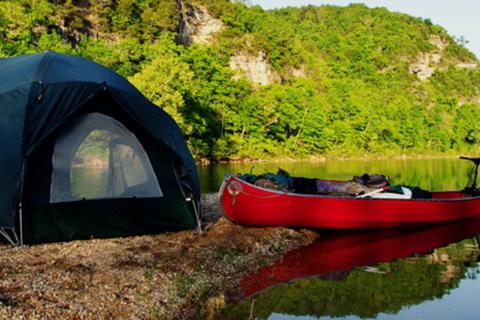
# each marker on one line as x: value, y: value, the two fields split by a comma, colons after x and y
x: 249, y: 205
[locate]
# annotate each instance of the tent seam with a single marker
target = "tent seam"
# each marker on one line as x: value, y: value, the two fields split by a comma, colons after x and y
x: 44, y: 62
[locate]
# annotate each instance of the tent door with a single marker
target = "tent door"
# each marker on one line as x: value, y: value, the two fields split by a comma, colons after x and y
x: 96, y: 157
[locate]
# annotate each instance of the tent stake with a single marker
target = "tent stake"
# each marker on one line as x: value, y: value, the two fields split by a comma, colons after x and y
x: 20, y: 216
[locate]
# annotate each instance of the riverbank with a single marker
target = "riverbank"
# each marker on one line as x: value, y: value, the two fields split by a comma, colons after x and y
x: 315, y: 158
x: 180, y: 275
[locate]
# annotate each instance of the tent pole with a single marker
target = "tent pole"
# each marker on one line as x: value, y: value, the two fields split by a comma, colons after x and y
x: 20, y: 217
x: 4, y: 233
x: 15, y: 238
x: 195, y: 209
x: 6, y: 236
x: 199, y: 222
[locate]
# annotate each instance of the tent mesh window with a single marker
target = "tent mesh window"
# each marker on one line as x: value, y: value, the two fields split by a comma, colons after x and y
x: 96, y: 157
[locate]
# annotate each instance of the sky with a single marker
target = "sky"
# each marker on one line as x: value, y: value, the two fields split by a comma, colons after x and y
x: 459, y: 17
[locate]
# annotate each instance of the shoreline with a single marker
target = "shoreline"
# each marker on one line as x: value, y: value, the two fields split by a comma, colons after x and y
x: 207, y: 162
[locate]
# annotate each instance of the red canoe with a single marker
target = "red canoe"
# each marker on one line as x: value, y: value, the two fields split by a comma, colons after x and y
x: 250, y: 205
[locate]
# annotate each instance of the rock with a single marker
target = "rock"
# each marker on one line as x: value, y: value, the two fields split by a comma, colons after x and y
x: 256, y: 68
x: 468, y: 100
x: 197, y: 25
x: 467, y: 65
x: 211, y: 210
x: 438, y: 42
x: 435, y: 57
x: 297, y: 72
x: 421, y: 67
x: 426, y: 62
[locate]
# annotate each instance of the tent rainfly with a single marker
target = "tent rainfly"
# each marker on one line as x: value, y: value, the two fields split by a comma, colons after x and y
x: 84, y: 154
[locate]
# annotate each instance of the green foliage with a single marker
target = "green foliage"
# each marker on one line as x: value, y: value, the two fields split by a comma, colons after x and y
x: 167, y: 81
x: 356, y: 96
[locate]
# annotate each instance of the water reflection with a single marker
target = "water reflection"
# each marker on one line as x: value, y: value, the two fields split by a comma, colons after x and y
x: 89, y: 182
x: 327, y: 278
x: 430, y: 174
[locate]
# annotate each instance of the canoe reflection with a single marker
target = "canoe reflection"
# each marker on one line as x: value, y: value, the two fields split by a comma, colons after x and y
x: 335, y: 253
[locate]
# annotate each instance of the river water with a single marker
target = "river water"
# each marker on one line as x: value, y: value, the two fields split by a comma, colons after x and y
x: 419, y: 273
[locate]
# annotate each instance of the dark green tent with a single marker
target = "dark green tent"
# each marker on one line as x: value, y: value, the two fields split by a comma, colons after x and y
x: 84, y: 154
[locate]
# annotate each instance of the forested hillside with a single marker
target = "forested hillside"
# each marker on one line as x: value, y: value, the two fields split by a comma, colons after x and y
x: 245, y: 82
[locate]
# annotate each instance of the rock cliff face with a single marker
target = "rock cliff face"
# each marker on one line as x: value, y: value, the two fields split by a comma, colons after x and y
x: 256, y: 68
x: 467, y: 65
x: 297, y: 72
x: 427, y: 62
x: 196, y: 24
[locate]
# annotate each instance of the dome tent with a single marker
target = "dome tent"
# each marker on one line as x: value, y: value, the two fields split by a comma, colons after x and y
x: 61, y: 113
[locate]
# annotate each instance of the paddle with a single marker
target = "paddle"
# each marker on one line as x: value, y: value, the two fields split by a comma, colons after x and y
x: 372, y: 192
